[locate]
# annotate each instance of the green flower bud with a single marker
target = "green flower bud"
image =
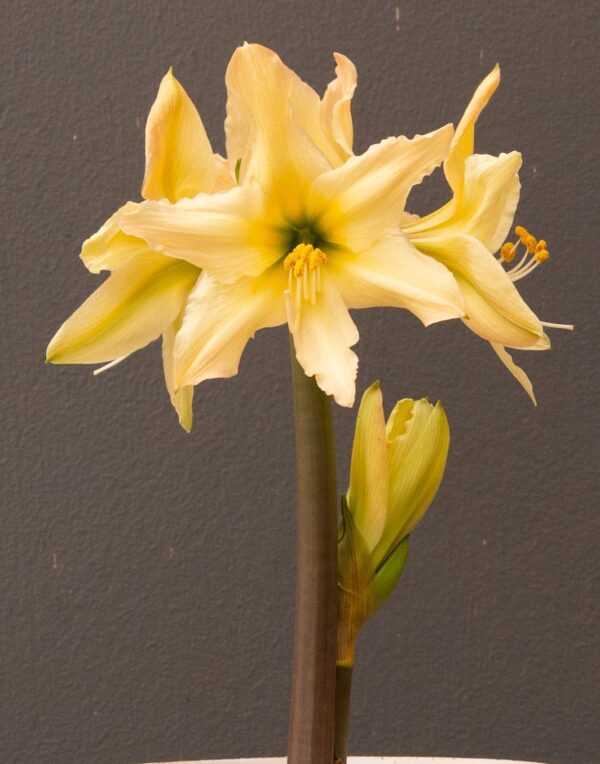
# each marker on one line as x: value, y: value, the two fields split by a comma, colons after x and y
x: 396, y: 470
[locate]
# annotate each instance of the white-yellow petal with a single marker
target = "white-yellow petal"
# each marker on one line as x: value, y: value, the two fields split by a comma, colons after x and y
x: 109, y: 248
x: 179, y: 158
x: 129, y: 310
x: 220, y: 319
x: 494, y: 308
x: 369, y: 474
x: 486, y: 207
x: 182, y: 398
x: 225, y: 234
x: 268, y: 112
x: 392, y: 273
x: 335, y: 111
x: 323, y: 341
x: 463, y: 142
x: 515, y: 370
x: 224, y: 177
x: 355, y: 204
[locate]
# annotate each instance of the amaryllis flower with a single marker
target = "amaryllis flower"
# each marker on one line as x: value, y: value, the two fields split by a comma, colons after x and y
x: 309, y: 232
x: 465, y: 234
x: 146, y: 294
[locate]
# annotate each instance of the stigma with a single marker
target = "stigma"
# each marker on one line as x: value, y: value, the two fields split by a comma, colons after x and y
x: 533, y: 252
x: 303, y: 265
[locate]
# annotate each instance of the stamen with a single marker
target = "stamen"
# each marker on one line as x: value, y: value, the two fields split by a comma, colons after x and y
x: 508, y: 251
x: 303, y: 265
x: 535, y: 253
x: 289, y: 308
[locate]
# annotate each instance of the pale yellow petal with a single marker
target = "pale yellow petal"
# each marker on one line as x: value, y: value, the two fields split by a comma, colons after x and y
x: 394, y: 274
x: 266, y: 103
x: 463, y: 142
x: 224, y: 177
x: 182, y: 398
x: 307, y: 113
x: 490, y: 198
x: 109, y: 248
x: 323, y: 341
x: 220, y: 319
x: 221, y: 233
x: 336, y: 114
x: 494, y: 308
x: 357, y: 203
x: 129, y: 310
x: 486, y: 207
x: 515, y: 370
x: 179, y: 159
x: 368, y: 492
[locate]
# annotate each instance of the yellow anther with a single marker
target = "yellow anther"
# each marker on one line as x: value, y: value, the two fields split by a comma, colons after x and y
x: 508, y: 252
x: 537, y: 249
x: 316, y: 259
x: 302, y: 255
x: 521, y: 232
x: 531, y: 243
x: 303, y: 265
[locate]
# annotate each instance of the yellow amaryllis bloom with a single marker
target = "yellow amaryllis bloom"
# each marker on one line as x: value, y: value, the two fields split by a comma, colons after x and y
x: 396, y: 470
x: 146, y: 293
x: 465, y: 233
x: 310, y: 231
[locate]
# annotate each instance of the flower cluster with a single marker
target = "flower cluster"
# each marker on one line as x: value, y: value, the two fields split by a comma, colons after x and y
x: 293, y: 227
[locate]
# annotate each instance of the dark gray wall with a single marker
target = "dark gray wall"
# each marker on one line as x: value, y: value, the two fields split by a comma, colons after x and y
x: 147, y: 576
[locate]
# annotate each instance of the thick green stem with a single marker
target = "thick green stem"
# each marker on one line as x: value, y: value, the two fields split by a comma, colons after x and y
x: 343, y: 685
x: 312, y: 716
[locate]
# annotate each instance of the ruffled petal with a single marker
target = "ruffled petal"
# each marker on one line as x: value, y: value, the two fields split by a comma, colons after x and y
x: 494, y: 308
x: 109, y: 248
x: 220, y: 319
x: 182, y: 398
x: 357, y: 203
x: 225, y: 234
x: 461, y: 148
x: 463, y: 142
x: 323, y: 340
x: 224, y: 177
x: 179, y: 159
x: 486, y: 207
x: 393, y: 273
x: 335, y: 111
x: 131, y: 308
x: 271, y: 114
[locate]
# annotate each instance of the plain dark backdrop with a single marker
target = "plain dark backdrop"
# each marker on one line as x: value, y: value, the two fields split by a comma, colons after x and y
x: 146, y: 575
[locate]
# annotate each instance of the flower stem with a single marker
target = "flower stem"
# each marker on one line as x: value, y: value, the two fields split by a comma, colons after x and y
x: 312, y: 717
x: 343, y: 685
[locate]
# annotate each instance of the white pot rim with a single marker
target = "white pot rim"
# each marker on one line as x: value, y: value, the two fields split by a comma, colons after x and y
x: 364, y: 760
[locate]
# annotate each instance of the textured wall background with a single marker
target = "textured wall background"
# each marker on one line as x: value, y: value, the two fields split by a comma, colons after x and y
x: 147, y: 576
